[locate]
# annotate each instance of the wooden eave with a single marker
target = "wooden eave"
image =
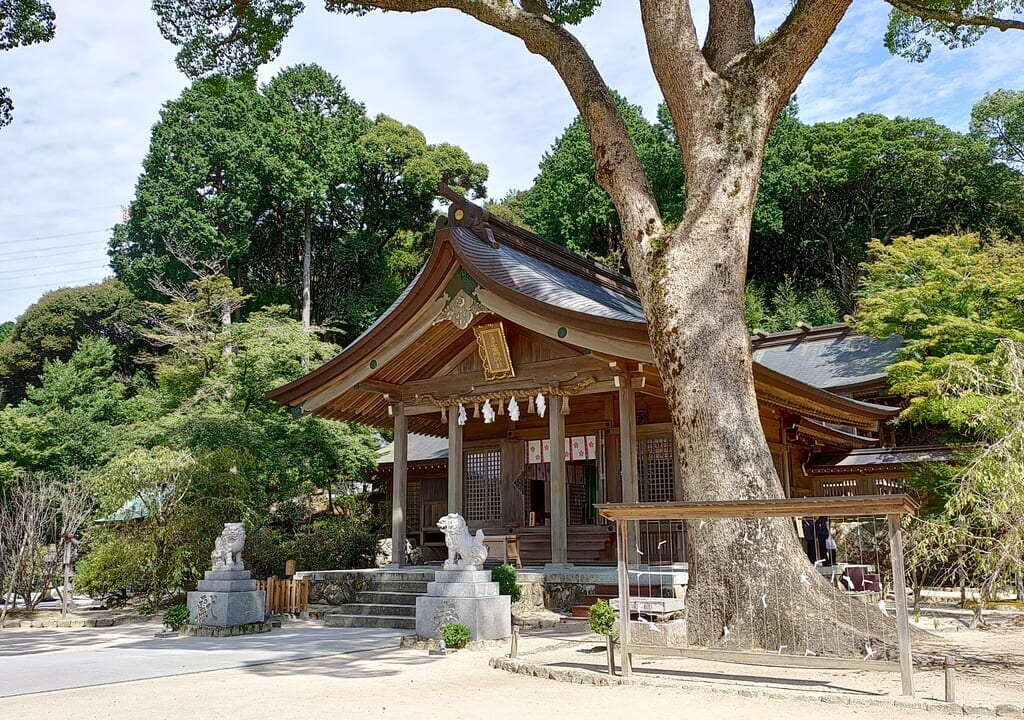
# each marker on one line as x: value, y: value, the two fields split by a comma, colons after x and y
x: 787, y: 507
x: 831, y: 436
x: 775, y: 389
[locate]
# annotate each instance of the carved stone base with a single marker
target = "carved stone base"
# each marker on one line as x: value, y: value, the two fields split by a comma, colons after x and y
x: 467, y: 597
x: 226, y: 598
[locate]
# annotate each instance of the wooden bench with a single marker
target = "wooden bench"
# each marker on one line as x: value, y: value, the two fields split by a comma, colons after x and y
x: 505, y: 545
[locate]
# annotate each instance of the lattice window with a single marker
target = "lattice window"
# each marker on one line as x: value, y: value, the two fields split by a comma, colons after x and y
x: 413, y: 509
x: 655, y: 470
x: 483, y: 486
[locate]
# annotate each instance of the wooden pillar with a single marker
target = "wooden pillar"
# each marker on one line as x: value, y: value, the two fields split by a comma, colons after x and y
x: 622, y: 530
x: 627, y: 455
x: 455, y: 461
x: 400, y: 483
x: 559, y: 519
x: 899, y: 589
x: 627, y: 443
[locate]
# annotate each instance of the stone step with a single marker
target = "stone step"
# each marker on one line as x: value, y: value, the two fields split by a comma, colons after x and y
x: 400, y: 586
x: 374, y: 597
x: 370, y: 621
x: 377, y: 609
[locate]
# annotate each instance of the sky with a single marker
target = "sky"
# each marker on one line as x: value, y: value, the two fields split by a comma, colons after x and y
x: 85, y: 104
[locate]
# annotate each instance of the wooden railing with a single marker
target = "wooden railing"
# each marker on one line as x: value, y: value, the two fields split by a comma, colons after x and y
x: 285, y: 597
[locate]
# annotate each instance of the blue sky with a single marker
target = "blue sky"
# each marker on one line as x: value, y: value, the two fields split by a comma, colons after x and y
x: 85, y: 104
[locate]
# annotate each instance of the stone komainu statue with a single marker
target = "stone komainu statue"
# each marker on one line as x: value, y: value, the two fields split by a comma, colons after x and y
x: 465, y: 552
x: 227, y: 549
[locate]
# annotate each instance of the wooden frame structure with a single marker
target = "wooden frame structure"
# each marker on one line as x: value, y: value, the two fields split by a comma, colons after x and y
x: 893, y: 507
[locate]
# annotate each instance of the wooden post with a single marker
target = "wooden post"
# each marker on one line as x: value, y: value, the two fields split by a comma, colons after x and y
x: 948, y: 665
x: 627, y: 451
x: 66, y: 594
x: 455, y: 461
x: 559, y: 518
x: 622, y: 528
x: 514, y: 650
x: 899, y: 589
x: 399, y: 482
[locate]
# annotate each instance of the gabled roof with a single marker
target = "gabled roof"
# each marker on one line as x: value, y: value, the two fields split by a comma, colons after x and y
x: 481, y: 265
x: 831, y: 357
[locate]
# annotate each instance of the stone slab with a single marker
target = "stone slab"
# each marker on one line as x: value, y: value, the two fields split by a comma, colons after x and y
x: 225, y: 609
x: 228, y: 575
x: 488, y: 618
x: 226, y: 585
x: 462, y: 589
x: 462, y: 576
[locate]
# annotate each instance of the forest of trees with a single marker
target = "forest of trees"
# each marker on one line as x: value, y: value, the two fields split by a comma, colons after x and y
x: 272, y: 224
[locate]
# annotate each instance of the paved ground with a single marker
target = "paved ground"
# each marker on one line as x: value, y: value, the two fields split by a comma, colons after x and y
x: 305, y: 670
x: 43, y: 660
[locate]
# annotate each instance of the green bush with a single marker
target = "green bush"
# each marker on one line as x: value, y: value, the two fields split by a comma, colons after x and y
x: 175, y: 616
x: 145, y: 609
x: 506, y: 576
x: 455, y: 635
x: 601, y: 618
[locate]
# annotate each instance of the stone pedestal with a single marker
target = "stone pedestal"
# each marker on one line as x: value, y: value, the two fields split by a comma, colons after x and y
x: 226, y: 598
x: 468, y: 597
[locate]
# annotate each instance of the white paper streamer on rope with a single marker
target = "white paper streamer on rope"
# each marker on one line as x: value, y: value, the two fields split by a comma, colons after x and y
x: 488, y: 412
x: 804, y: 580
x: 541, y: 404
x: 513, y: 410
x: 462, y: 414
x: 881, y: 606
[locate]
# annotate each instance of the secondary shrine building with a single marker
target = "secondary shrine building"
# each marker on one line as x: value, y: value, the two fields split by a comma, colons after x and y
x: 520, y: 384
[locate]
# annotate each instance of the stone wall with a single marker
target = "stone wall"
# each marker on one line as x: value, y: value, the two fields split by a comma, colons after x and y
x: 335, y: 587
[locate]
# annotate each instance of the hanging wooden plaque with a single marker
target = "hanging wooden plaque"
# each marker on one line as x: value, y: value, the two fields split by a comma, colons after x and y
x: 494, y: 354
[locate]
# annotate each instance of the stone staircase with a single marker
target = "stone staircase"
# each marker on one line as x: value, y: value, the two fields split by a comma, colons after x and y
x: 388, y: 602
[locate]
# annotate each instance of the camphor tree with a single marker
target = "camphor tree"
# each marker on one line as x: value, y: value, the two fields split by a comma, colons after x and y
x: 723, y: 96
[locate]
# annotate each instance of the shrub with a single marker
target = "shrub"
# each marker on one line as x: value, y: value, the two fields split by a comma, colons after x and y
x: 506, y: 576
x: 455, y: 635
x: 601, y: 618
x: 145, y: 609
x: 175, y: 616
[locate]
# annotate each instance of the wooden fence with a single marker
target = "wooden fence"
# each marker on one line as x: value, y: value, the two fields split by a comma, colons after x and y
x: 288, y: 596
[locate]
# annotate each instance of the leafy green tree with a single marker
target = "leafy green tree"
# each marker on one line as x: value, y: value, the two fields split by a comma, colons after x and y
x: 6, y: 329
x: 52, y: 327
x: 196, y: 202
x: 25, y: 22
x: 875, y: 177
x: 952, y: 298
x: 787, y: 305
x: 181, y: 501
x: 999, y: 120
x: 723, y: 95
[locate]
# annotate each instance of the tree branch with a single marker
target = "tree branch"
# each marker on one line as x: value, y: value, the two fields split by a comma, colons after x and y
x: 955, y: 19
x: 775, y: 66
x: 618, y: 167
x: 730, y: 31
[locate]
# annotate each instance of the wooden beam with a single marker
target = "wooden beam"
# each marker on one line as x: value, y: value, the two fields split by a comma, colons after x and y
x: 389, y: 390
x: 787, y: 507
x: 527, y: 376
x: 559, y: 516
x: 455, y: 462
x: 899, y: 589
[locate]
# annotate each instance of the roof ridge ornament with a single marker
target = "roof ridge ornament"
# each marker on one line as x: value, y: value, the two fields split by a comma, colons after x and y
x: 463, y: 213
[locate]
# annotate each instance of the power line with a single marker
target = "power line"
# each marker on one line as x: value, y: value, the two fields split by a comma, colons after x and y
x: 48, y: 269
x: 48, y: 286
x: 52, y: 237
x: 37, y: 252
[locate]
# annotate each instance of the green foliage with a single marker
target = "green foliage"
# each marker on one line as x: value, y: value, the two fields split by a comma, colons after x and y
x: 954, y: 23
x: 225, y: 38
x: 455, y: 635
x: 828, y: 188
x: 952, y: 298
x: 347, y: 541
x: 601, y: 619
x: 25, y: 22
x: 175, y: 616
x: 998, y: 120
x: 787, y: 306
x: 506, y: 577
x: 51, y: 328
